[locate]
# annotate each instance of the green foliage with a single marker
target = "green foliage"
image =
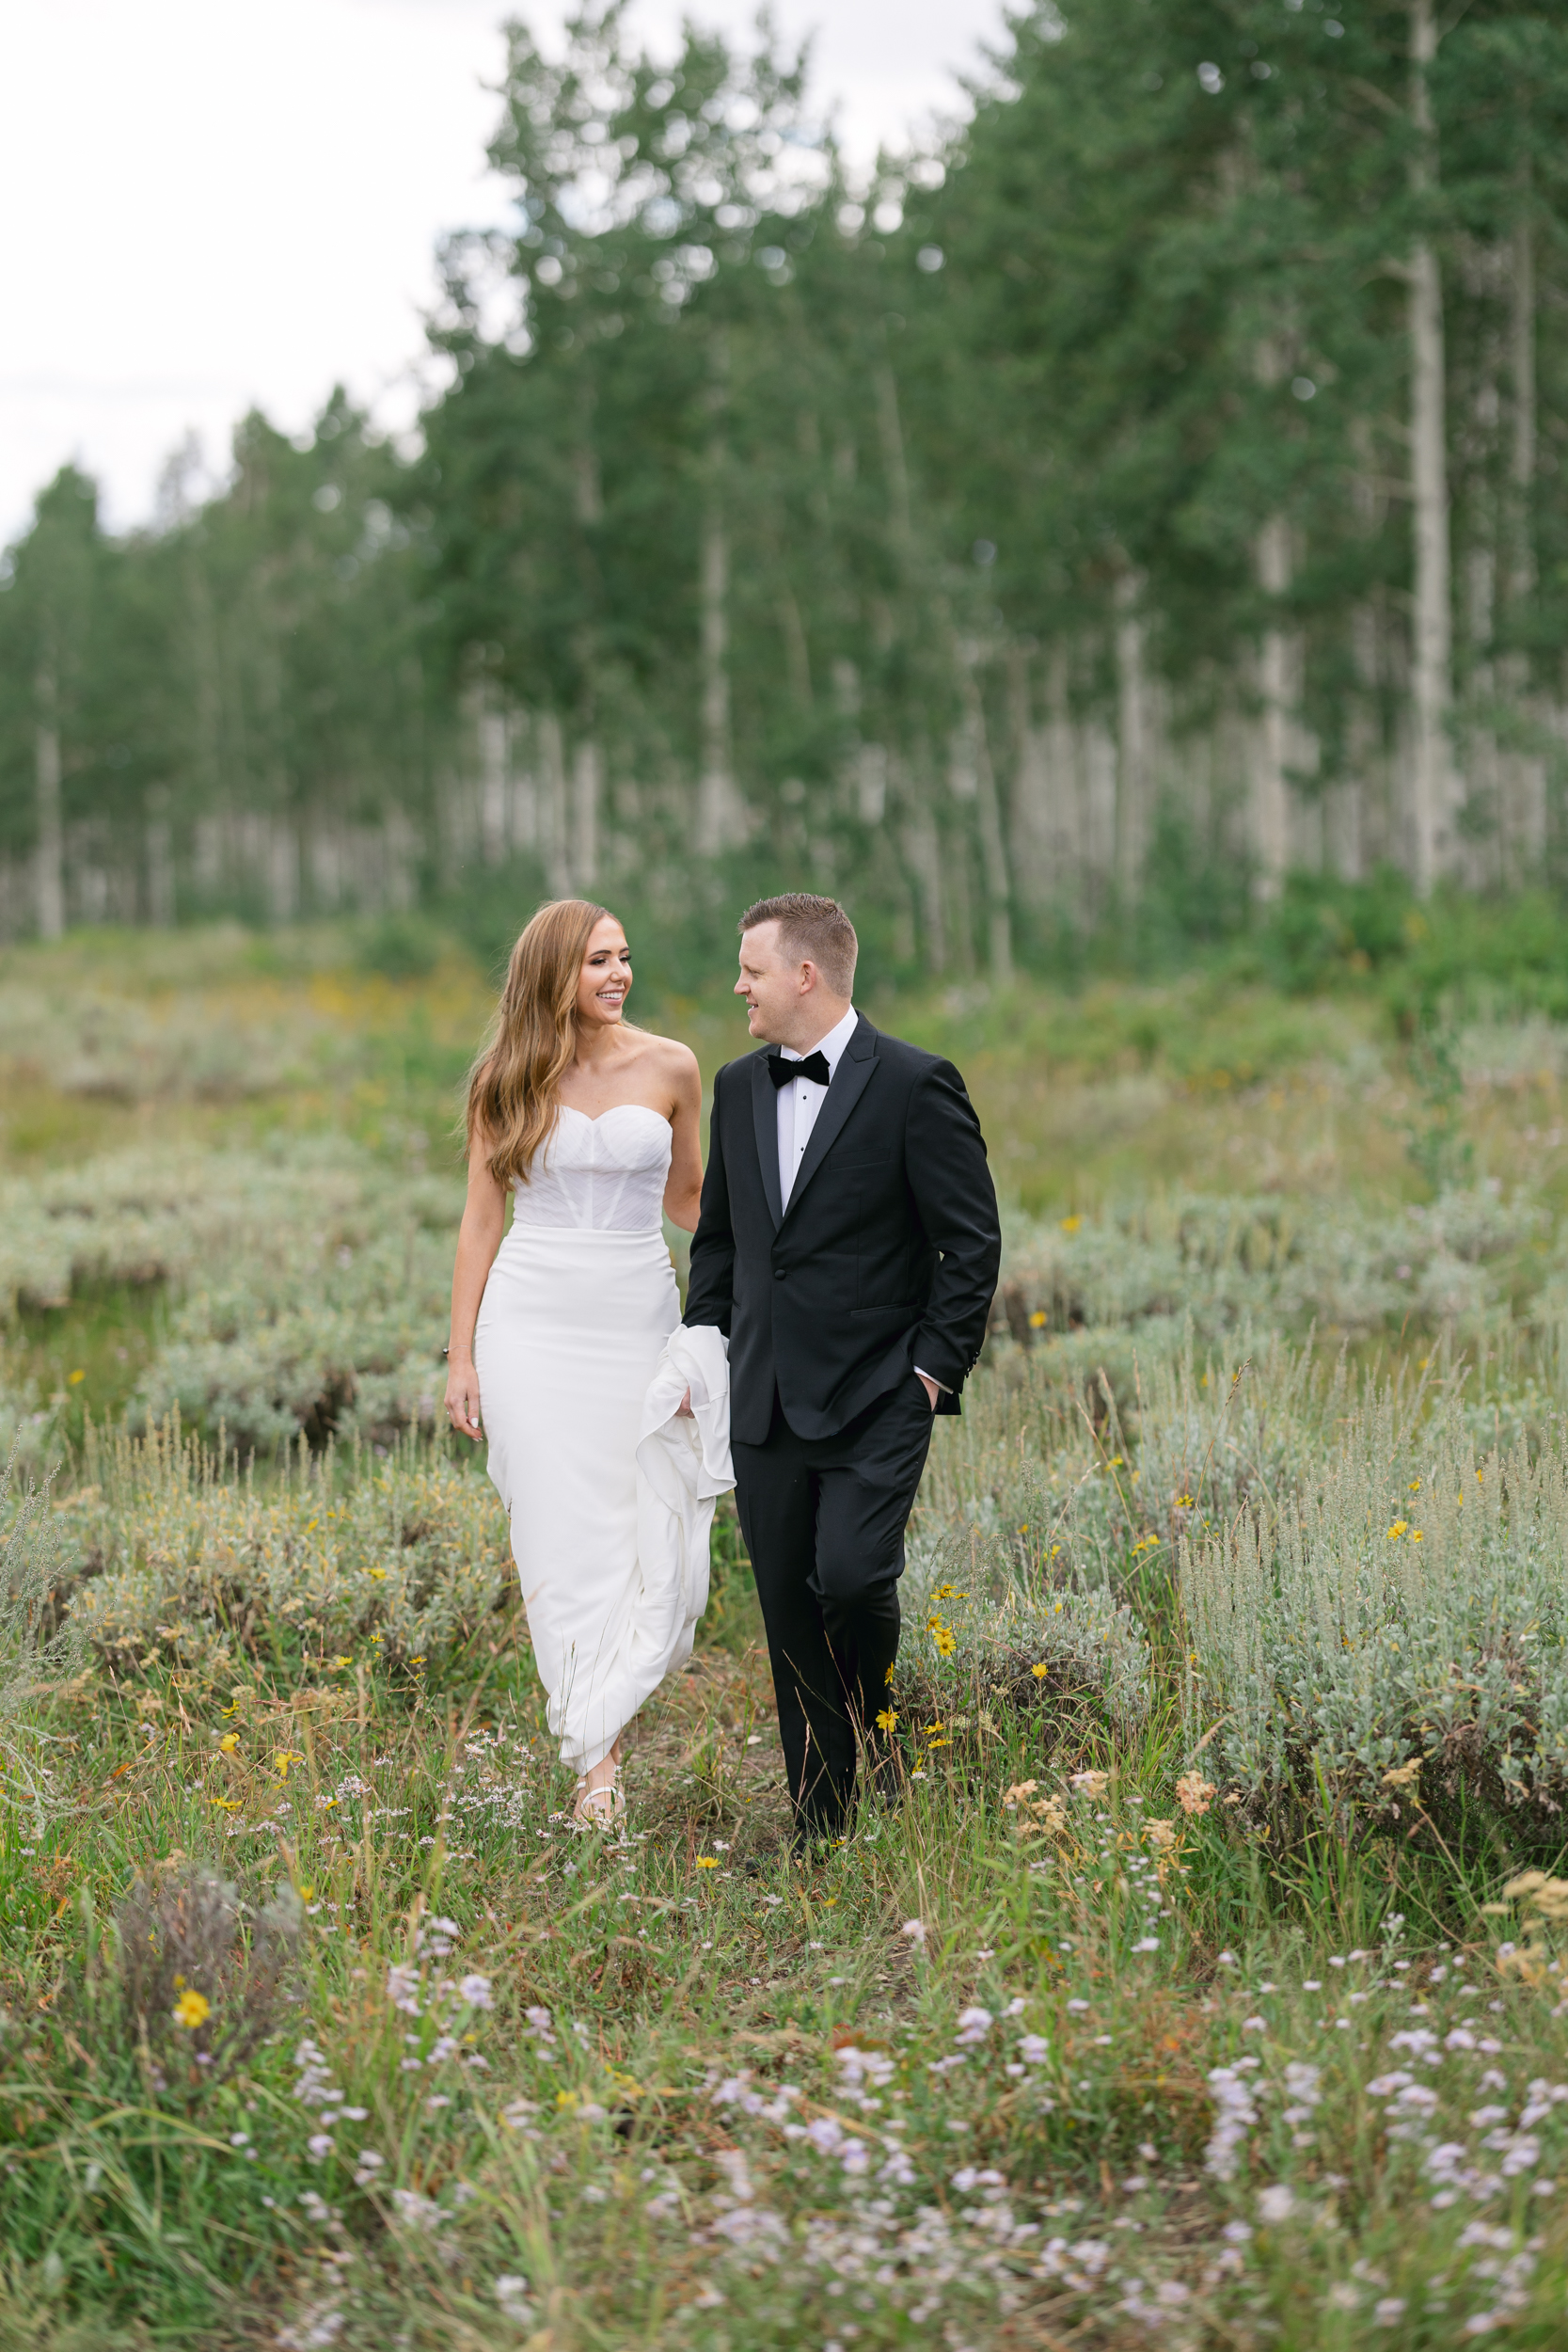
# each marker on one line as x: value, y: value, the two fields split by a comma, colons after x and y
x: 1402, y: 1604
x: 39, y: 1647
x: 771, y: 532
x: 176, y: 1559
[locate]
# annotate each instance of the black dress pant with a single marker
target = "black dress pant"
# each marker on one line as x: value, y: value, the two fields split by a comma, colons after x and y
x: 823, y: 1519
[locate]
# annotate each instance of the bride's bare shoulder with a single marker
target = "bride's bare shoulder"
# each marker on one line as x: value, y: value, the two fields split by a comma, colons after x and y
x: 668, y: 1056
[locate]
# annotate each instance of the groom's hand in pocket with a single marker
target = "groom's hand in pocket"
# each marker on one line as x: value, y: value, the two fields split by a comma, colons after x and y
x: 933, y: 1390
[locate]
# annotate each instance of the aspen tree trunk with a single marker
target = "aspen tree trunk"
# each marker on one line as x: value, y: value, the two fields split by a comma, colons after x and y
x: 160, y: 862
x: 718, y: 810
x: 493, y: 798
x: 1528, y: 796
x: 1031, y: 830
x: 553, y: 843
x: 1522, y: 346
x: 797, y: 650
x: 1132, y: 740
x: 579, y: 835
x: 993, y: 857
x: 923, y: 856
x: 891, y: 432
x: 714, y: 786
x: 1069, y: 836
x: 282, y: 871
x: 1271, y: 798
x: 586, y: 781
x: 1434, y: 786
x: 49, y: 857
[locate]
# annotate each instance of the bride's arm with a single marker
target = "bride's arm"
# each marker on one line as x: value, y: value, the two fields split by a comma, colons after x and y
x: 683, y: 1193
x: 479, y: 1237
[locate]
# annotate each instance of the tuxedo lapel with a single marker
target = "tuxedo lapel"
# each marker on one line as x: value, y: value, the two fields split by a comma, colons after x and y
x: 764, y: 1118
x: 851, y: 1080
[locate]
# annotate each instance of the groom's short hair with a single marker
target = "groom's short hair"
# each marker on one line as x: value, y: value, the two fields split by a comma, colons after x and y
x: 810, y: 931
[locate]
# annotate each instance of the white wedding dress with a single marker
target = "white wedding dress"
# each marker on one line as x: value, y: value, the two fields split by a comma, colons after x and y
x: 582, y: 1361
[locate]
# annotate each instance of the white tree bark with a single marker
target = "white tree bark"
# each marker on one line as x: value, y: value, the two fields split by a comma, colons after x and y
x: 993, y: 857
x: 891, y: 432
x: 552, y: 827
x: 494, y: 809
x: 282, y: 871
x: 721, y: 818
x: 1434, y: 785
x: 1522, y: 342
x: 923, y: 856
x: 49, y: 854
x: 1131, y: 820
x: 587, y: 779
x: 1278, y: 684
x: 1033, y: 846
x: 1525, y: 776
x: 160, y: 868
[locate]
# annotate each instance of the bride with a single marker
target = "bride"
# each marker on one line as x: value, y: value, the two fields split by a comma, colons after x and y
x: 562, y: 1351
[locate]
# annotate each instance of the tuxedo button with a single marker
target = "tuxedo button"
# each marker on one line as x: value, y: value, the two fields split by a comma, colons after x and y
x: 778, y: 1273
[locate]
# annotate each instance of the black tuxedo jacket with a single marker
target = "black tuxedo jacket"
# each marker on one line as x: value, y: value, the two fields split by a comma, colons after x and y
x: 886, y: 1257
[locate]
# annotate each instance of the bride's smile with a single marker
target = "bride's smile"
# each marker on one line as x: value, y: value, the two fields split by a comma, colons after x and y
x: 605, y: 973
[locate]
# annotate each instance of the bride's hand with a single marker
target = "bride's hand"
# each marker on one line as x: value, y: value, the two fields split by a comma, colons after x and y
x: 463, y: 1408
x: 683, y: 1410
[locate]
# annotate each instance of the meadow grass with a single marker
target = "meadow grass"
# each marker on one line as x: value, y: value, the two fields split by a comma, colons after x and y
x: 1203, y: 1987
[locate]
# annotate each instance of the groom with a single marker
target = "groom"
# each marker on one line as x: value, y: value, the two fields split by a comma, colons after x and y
x: 849, y: 1246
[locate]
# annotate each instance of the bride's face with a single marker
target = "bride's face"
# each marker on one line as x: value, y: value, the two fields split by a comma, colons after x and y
x: 606, y: 975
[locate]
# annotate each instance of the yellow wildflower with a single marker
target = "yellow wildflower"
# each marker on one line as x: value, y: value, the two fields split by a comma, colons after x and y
x: 1400, y: 1526
x: 76, y: 1378
x: 1071, y: 1224
x: 192, y: 2010
x: 707, y: 1861
x: 1041, y: 1671
x: 887, y: 1719
x: 282, y: 1758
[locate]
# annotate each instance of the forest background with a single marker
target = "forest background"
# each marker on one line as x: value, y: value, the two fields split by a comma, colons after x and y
x: 1135, y: 520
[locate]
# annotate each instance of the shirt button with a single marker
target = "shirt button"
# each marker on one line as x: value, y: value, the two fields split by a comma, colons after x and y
x: 778, y: 1273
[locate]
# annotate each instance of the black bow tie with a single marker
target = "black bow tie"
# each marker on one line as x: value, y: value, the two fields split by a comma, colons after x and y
x: 783, y: 1073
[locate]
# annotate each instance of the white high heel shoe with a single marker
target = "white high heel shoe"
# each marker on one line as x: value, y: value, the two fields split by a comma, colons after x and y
x: 602, y: 1808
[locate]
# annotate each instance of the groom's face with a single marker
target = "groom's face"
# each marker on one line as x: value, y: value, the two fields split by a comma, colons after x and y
x: 775, y: 987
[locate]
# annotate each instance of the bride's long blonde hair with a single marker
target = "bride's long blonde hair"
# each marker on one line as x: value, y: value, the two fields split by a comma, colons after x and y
x: 515, y: 1085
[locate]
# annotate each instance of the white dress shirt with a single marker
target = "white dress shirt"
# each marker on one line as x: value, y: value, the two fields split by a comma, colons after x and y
x: 800, y: 1101
x: 800, y: 1105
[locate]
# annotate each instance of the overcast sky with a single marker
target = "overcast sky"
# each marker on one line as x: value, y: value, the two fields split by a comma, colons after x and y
x: 209, y: 203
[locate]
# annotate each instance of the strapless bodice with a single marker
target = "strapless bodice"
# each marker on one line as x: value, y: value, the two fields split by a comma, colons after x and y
x: 603, y: 1175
